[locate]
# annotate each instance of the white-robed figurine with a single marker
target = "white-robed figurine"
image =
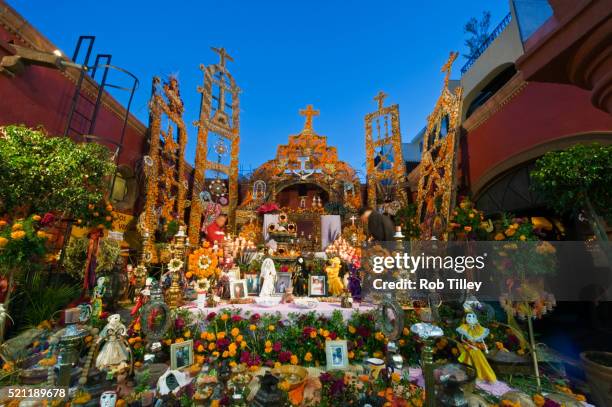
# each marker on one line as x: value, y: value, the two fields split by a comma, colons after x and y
x: 268, y: 275
x: 114, y: 350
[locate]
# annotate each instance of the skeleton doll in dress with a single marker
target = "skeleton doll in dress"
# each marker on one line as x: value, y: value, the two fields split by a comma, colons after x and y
x: 473, y: 344
x: 114, y: 351
x: 268, y: 275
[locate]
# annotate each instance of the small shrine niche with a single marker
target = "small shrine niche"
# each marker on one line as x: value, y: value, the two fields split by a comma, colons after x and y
x: 436, y: 187
x: 215, y: 183
x: 384, y: 160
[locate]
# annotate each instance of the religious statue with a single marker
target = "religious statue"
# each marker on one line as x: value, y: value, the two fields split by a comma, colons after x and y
x: 114, y: 351
x: 336, y: 287
x: 300, y: 278
x: 268, y: 276
x: 96, y: 300
x: 472, y: 345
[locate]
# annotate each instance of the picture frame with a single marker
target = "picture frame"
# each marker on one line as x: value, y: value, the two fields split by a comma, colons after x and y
x: 238, y: 289
x: 252, y: 281
x: 181, y: 355
x: 317, y: 286
x: 336, y: 353
x: 283, y: 282
x: 234, y: 273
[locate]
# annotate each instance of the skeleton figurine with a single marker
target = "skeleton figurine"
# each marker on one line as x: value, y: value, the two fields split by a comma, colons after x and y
x: 114, y: 351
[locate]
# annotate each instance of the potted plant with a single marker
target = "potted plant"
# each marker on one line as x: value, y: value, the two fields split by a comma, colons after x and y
x: 598, y: 369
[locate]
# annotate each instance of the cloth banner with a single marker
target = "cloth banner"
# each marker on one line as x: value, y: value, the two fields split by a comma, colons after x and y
x: 268, y: 219
x: 331, y: 229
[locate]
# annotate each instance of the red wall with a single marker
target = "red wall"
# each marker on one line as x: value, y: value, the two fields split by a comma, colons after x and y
x: 42, y: 96
x: 540, y: 113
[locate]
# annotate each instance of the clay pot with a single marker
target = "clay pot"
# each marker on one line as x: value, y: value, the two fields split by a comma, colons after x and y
x: 599, y: 376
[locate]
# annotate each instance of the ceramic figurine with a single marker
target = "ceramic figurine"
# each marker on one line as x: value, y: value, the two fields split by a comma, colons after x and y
x: 143, y: 297
x: 300, y: 278
x: 96, y: 301
x: 333, y: 278
x: 114, y: 351
x: 473, y: 344
x: 268, y: 275
x: 354, y: 282
x: 108, y: 399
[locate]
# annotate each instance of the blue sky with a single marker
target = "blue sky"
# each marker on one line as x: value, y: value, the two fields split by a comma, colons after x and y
x: 333, y: 54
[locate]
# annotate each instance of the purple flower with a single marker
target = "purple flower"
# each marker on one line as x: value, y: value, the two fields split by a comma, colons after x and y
x: 325, y: 377
x: 284, y: 357
x: 276, y: 347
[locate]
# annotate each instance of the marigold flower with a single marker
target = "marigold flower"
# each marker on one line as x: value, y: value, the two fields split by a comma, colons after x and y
x: 235, y: 332
x: 294, y: 360
x: 253, y: 327
x: 500, y: 236
x: 271, y: 328
x: 220, y: 335
x: 187, y: 334
x: 3, y: 241
x: 224, y: 317
x: 308, y: 357
x: 352, y: 329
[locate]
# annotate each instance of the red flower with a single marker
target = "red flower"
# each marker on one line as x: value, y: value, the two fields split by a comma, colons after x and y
x: 245, y: 357
x: 236, y: 318
x: 47, y: 219
x: 284, y: 357
x: 333, y: 335
x: 255, y: 317
x: 211, y: 316
x: 267, y: 208
x: 276, y: 347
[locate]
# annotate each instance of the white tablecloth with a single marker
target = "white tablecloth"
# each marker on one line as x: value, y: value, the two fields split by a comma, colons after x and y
x: 323, y: 308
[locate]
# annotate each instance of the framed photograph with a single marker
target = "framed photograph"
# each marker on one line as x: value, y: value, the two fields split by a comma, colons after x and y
x: 336, y: 354
x: 181, y: 355
x: 317, y: 286
x: 234, y: 273
x: 252, y: 281
x: 283, y: 282
x: 238, y: 289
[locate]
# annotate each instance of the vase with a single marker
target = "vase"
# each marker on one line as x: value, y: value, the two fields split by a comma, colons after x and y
x: 598, y: 369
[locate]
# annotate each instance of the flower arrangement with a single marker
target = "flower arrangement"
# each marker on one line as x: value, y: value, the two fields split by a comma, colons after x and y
x: 467, y: 222
x: 268, y: 207
x: 203, y: 263
x: 175, y: 265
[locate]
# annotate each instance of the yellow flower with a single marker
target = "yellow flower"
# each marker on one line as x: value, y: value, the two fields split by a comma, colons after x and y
x: 510, y: 232
x: 17, y: 226
x: 284, y: 385
x: 396, y: 377
x: 239, y: 338
x: 200, y: 360
x: 224, y: 317
x: 220, y: 335
x: 308, y: 357
x: 539, y: 400
x: 187, y: 334
x: 253, y: 327
x: 210, y: 336
x: 351, y: 355
x: 267, y: 350
x: 271, y: 328
x: 277, y: 364
x: 168, y: 342
x: 19, y: 234
x: 500, y: 236
x: 211, y: 346
x: 200, y: 348
x: 406, y: 332
x: 522, y: 237
x: 379, y: 336
x: 3, y: 241
x: 377, y: 354
x: 243, y: 345
x: 352, y: 329
x: 235, y: 332
x: 232, y: 347
x: 225, y: 354
x: 203, y: 335
x: 294, y: 360
x: 313, y: 334
x: 233, y: 364
x: 215, y: 354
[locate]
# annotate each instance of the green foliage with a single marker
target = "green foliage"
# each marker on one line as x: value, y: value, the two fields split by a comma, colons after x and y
x: 566, y: 179
x: 108, y: 254
x: 51, y: 173
x: 75, y: 256
x: 335, y: 208
x: 20, y: 243
x: 41, y: 297
x: 406, y: 217
x: 478, y: 32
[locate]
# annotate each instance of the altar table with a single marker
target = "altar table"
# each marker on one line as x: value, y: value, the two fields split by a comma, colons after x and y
x: 323, y: 308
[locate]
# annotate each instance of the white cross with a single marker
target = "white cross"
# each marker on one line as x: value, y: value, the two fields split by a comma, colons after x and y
x: 303, y: 172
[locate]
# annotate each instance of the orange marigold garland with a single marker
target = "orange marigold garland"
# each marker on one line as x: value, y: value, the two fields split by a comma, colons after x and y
x: 203, y: 263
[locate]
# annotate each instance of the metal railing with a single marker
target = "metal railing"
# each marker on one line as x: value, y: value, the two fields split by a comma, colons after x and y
x: 485, y: 44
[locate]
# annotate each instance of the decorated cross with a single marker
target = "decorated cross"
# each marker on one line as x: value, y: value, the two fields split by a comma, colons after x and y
x: 223, y: 55
x: 448, y: 66
x: 380, y: 98
x: 353, y: 219
x: 309, y: 112
x: 303, y: 172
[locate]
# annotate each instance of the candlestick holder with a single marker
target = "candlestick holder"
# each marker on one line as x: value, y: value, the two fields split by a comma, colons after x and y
x: 428, y: 334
